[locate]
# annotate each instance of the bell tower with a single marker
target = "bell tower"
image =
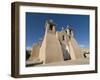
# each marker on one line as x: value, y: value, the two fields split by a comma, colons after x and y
x: 69, y: 32
x: 74, y: 49
x: 50, y: 50
x: 50, y: 27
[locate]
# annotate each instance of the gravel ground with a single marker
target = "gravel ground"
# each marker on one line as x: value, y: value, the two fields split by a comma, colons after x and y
x: 68, y: 62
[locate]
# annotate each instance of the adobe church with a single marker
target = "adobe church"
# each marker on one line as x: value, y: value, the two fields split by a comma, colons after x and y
x: 57, y: 46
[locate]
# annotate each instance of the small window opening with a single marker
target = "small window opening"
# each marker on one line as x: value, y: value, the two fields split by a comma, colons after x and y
x: 66, y: 31
x: 51, y: 27
x: 63, y: 37
x: 70, y: 32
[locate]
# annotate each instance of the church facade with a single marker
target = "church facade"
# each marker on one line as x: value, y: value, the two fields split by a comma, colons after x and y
x: 56, y: 46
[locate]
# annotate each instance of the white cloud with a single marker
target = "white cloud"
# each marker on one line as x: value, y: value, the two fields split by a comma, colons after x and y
x: 82, y: 45
x: 28, y: 48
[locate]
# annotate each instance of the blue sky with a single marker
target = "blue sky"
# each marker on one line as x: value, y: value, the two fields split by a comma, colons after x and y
x: 35, y: 26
